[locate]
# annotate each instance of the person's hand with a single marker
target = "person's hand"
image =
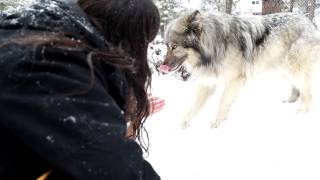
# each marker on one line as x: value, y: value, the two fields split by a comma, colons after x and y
x: 156, y: 104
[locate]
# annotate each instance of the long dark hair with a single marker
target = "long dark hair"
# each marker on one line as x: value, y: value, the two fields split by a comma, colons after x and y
x: 130, y: 25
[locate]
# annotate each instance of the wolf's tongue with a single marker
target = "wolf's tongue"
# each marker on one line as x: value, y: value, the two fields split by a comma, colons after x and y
x: 165, y: 68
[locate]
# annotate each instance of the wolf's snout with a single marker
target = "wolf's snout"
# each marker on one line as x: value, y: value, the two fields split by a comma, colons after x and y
x: 168, y: 63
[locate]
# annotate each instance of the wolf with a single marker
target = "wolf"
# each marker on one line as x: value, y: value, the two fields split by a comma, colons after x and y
x: 222, y: 49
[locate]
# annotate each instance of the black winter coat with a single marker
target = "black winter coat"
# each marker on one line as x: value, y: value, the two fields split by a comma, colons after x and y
x: 41, y: 126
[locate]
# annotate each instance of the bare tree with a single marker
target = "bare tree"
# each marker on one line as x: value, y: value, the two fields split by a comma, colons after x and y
x: 219, y: 5
x: 168, y: 10
x: 228, y: 6
x: 272, y: 6
x: 216, y: 5
x: 311, y: 6
x: 306, y: 7
x: 291, y: 5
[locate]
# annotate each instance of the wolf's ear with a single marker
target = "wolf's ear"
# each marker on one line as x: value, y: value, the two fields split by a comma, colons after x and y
x: 194, y: 23
x: 195, y: 16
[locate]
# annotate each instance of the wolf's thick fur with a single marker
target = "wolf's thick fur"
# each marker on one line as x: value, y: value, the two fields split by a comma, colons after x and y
x: 226, y: 49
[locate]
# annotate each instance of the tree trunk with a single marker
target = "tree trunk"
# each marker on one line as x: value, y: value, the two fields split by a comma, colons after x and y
x: 291, y: 5
x: 271, y: 6
x: 229, y: 6
x: 162, y: 29
x: 311, y: 6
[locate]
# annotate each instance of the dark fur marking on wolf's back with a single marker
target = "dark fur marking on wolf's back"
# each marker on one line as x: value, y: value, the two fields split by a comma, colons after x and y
x: 260, y: 40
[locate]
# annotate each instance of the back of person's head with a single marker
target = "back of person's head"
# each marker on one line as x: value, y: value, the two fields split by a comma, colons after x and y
x: 130, y: 25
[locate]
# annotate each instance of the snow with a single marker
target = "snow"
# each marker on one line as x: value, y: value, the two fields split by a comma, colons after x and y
x: 13, y: 6
x: 71, y: 119
x: 263, y: 138
x: 50, y: 139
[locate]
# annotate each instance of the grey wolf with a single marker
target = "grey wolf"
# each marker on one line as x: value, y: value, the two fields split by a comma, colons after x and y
x: 225, y: 49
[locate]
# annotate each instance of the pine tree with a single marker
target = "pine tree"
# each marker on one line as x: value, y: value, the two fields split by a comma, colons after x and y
x: 168, y: 10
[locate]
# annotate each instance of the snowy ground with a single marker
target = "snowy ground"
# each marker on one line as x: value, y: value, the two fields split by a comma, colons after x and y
x: 263, y: 139
x: 14, y: 5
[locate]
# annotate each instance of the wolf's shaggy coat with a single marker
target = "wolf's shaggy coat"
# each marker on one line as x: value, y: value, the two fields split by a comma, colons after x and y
x: 226, y: 49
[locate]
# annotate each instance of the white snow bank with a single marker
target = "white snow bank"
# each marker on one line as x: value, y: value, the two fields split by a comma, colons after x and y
x: 263, y: 139
x: 14, y: 5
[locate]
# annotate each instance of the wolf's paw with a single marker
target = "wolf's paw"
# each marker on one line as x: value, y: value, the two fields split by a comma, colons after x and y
x: 303, y: 109
x: 185, y: 124
x: 292, y: 99
x: 214, y: 125
x: 218, y: 121
x: 289, y: 101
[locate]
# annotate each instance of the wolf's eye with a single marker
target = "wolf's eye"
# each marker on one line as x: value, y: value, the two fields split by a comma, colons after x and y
x: 174, y: 47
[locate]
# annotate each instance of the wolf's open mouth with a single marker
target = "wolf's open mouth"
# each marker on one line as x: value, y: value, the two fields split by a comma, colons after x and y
x: 181, y: 70
x: 167, y: 69
x: 177, y: 67
x: 164, y: 68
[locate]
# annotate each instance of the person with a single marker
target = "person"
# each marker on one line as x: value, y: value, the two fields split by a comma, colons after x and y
x: 71, y: 80
x: 115, y: 20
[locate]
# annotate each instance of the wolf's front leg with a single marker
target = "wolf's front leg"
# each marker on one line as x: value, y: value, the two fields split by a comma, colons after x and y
x: 306, y: 96
x: 230, y: 94
x: 295, y: 94
x: 202, y: 93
